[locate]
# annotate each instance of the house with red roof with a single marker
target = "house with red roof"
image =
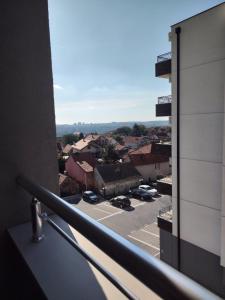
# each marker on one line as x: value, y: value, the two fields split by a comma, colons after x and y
x: 149, y: 162
x: 80, y: 166
x: 90, y: 143
x: 67, y: 185
x: 115, y: 179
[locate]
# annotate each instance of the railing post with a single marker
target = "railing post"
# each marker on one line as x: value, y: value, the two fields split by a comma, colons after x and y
x: 36, y: 220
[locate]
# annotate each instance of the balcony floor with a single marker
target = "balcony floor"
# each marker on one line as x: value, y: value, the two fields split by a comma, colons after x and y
x: 62, y: 273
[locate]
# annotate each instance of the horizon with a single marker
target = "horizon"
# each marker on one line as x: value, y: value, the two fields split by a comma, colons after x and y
x: 132, y: 121
x: 104, y: 54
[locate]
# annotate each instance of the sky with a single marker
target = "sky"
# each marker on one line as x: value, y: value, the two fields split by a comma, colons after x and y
x: 104, y: 54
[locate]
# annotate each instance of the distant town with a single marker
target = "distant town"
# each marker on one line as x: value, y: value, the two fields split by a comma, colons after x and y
x: 112, y: 163
x: 85, y: 128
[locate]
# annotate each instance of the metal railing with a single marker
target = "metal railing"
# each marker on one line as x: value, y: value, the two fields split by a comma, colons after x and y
x: 163, y: 57
x: 165, y: 281
x: 165, y: 210
x: 165, y: 99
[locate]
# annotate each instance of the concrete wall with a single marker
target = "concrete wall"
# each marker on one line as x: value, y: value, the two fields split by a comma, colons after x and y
x: 120, y: 187
x: 151, y: 171
x: 115, y: 187
x: 207, y: 271
x: 27, y: 119
x: 202, y: 154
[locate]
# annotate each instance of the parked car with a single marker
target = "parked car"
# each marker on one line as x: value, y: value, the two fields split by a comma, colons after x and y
x: 152, y: 191
x: 120, y: 201
x: 153, y: 183
x: 141, y: 194
x: 90, y: 197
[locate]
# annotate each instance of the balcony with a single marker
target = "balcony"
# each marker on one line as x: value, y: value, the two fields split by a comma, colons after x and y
x: 165, y: 219
x: 62, y: 259
x: 165, y: 185
x: 163, y: 108
x: 163, y: 65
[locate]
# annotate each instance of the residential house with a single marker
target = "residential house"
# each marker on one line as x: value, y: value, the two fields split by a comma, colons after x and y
x: 114, y: 179
x: 111, y: 141
x: 91, y: 143
x: 120, y: 150
x: 148, y: 163
x: 67, y: 185
x: 79, y: 166
x: 132, y: 142
x: 68, y: 149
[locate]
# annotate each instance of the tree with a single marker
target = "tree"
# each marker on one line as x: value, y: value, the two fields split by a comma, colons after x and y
x: 70, y: 139
x: 61, y: 165
x: 138, y: 130
x: 109, y: 153
x: 125, y: 130
x: 118, y: 138
x: 81, y: 136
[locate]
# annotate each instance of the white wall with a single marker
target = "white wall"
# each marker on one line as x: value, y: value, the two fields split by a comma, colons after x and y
x: 202, y: 79
x: 149, y: 171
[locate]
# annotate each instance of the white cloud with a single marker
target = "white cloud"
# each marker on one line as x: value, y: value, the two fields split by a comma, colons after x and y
x: 57, y: 87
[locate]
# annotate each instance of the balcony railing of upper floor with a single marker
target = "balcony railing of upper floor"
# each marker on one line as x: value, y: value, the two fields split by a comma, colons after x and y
x: 165, y: 281
x: 163, y: 107
x: 165, y: 99
x: 163, y: 57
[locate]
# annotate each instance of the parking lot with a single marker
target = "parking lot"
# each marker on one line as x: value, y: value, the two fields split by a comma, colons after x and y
x: 137, y: 224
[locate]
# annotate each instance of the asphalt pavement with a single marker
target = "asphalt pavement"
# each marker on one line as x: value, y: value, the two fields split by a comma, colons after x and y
x: 137, y: 224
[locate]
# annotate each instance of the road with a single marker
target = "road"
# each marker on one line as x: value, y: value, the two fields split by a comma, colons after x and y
x: 137, y: 224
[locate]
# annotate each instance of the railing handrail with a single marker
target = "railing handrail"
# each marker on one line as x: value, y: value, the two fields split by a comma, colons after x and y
x: 164, y: 56
x: 165, y: 281
x: 165, y: 99
x: 165, y: 210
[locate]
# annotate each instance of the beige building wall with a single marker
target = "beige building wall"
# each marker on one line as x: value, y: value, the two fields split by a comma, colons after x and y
x: 153, y: 170
x: 202, y: 151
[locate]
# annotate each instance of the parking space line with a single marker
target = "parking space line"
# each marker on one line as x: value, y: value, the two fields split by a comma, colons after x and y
x: 107, y: 212
x: 143, y: 203
x: 111, y: 206
x: 143, y: 242
x: 106, y: 217
x: 156, y: 254
x: 156, y: 235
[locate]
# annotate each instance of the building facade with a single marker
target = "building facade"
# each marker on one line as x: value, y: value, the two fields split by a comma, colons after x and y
x: 196, y: 245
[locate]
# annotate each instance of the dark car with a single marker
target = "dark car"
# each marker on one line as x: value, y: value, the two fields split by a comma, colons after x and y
x: 120, y: 201
x: 141, y: 194
x: 90, y: 197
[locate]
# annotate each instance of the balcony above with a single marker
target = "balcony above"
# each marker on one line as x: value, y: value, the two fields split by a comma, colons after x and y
x: 165, y: 219
x: 163, y: 108
x: 163, y: 65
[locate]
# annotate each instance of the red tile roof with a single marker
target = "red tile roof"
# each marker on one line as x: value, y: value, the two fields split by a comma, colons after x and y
x: 83, y: 143
x: 85, y: 166
x: 85, y: 156
x: 132, y: 139
x: 119, y: 147
x: 146, y: 149
x: 147, y: 159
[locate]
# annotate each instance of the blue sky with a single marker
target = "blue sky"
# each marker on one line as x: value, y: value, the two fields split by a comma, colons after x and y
x: 104, y: 53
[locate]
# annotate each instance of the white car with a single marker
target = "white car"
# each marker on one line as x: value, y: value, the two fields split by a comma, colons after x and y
x: 153, y: 192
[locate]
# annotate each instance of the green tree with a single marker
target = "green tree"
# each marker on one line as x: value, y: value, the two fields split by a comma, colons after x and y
x: 125, y: 130
x: 109, y: 153
x: 61, y: 165
x: 118, y: 138
x: 81, y: 136
x: 138, y: 130
x: 70, y: 139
